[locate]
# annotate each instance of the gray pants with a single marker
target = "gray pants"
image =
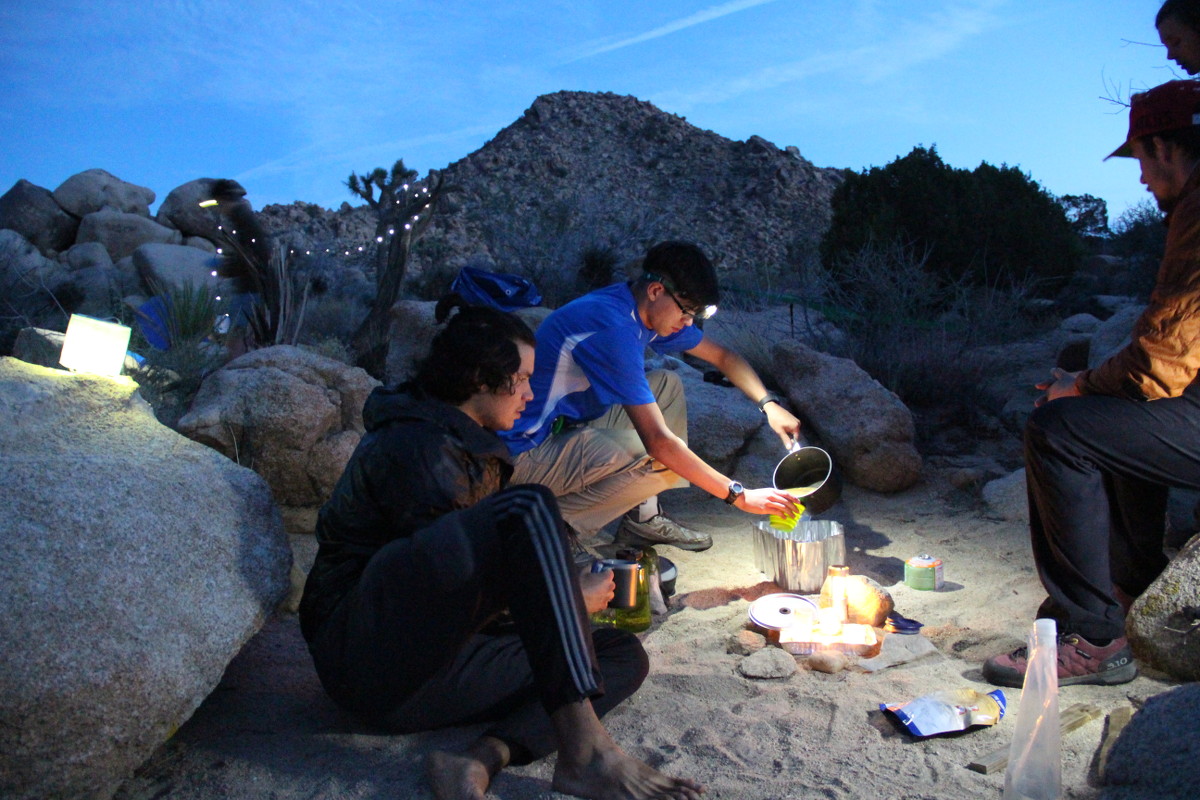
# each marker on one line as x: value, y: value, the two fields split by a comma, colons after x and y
x: 600, y: 470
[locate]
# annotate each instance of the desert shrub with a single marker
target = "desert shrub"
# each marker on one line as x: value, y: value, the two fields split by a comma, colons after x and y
x: 916, y: 334
x: 331, y: 317
x: 989, y: 226
x: 192, y: 322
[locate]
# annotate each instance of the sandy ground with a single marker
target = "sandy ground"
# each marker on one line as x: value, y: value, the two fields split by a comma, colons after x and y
x: 269, y: 731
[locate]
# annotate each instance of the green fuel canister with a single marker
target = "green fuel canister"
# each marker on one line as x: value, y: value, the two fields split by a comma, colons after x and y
x: 923, y: 572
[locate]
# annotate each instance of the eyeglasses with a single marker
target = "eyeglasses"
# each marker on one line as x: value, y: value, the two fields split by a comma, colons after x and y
x: 697, y: 313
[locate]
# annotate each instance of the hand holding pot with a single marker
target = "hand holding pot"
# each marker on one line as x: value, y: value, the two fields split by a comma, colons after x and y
x: 783, y: 422
x: 768, y: 501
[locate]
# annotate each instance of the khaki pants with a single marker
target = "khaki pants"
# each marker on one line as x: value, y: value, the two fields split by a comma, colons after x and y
x: 600, y: 470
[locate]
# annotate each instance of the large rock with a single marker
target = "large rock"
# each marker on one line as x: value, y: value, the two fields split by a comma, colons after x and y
x: 85, y: 255
x: 101, y: 283
x: 1112, y: 334
x: 1159, y: 625
x: 720, y: 419
x: 89, y: 191
x: 137, y: 563
x: 122, y: 233
x: 1157, y: 755
x: 39, y: 346
x: 867, y: 429
x: 181, y: 210
x: 412, y: 329
x: 33, y: 288
x: 31, y: 211
x: 1007, y: 497
x: 176, y: 265
x: 292, y: 415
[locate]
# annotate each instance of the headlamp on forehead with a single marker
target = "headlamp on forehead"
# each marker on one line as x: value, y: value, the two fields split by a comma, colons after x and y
x: 703, y: 312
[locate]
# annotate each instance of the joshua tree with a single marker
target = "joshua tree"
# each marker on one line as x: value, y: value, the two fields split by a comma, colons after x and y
x: 401, y: 203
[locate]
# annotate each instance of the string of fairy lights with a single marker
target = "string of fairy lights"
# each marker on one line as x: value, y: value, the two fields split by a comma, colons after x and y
x: 329, y: 251
x: 355, y: 248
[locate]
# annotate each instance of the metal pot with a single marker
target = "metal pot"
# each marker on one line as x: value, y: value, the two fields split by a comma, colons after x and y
x: 809, y: 466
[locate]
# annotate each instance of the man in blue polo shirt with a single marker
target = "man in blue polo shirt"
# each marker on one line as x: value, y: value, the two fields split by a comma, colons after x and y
x: 606, y: 436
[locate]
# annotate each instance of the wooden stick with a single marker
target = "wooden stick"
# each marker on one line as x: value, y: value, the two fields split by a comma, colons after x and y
x: 1074, y: 717
x: 1118, y: 718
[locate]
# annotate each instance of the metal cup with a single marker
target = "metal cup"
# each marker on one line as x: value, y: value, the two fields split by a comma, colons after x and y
x: 625, y: 576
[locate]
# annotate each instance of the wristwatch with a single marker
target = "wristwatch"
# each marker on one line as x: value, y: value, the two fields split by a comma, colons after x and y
x: 769, y: 397
x: 736, y: 490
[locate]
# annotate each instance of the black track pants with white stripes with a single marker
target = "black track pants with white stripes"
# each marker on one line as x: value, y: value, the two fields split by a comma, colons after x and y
x: 405, y: 649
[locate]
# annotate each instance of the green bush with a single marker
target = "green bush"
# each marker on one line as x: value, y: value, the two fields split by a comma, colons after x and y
x: 993, y: 226
x: 1139, y: 236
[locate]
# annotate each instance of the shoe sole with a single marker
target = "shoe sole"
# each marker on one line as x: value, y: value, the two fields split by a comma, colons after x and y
x: 1112, y: 677
x: 638, y: 541
x: 1122, y: 674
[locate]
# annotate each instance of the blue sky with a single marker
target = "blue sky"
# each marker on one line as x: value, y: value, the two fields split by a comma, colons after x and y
x: 289, y: 98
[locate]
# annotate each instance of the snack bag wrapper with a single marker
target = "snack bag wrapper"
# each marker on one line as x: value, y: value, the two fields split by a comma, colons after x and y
x: 951, y: 710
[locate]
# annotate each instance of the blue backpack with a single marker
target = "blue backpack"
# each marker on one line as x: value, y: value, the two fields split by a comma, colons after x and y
x: 500, y: 290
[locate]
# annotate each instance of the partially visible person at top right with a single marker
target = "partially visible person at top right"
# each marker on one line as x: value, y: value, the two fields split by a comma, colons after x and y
x: 1178, y: 23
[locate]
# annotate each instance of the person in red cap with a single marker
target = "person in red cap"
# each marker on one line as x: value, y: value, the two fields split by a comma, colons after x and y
x: 1178, y: 23
x: 1104, y: 445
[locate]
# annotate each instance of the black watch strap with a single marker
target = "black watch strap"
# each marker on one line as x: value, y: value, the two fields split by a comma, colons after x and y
x: 769, y: 397
x: 736, y: 490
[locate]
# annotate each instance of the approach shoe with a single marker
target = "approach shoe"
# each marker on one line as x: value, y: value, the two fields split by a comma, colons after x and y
x: 1079, y: 661
x: 660, y: 529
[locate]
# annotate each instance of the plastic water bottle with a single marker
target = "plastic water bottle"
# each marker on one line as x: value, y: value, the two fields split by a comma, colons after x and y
x: 1035, y: 759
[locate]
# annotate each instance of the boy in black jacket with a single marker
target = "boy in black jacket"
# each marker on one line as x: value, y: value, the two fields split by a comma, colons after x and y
x: 422, y: 547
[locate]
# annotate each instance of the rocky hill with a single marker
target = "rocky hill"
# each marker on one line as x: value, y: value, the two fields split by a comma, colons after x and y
x: 583, y: 170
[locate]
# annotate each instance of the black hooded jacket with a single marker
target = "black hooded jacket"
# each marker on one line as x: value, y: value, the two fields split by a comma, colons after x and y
x: 419, y: 460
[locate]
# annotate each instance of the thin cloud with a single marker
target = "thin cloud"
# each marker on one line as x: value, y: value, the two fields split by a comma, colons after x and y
x: 941, y: 32
x: 323, y: 154
x: 700, y: 17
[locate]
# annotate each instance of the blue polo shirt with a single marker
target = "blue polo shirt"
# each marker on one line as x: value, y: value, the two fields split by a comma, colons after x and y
x: 591, y: 355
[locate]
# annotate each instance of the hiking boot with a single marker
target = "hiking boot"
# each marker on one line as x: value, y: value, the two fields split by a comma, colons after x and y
x: 660, y: 529
x: 1079, y: 661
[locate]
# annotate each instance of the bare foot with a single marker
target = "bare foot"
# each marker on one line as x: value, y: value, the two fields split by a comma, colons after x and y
x: 466, y: 776
x: 613, y: 774
x: 456, y: 777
